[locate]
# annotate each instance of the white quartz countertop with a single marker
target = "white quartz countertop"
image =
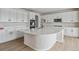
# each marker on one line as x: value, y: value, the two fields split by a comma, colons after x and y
x: 48, y: 30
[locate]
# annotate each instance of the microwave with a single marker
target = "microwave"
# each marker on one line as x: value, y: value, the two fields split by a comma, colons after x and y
x: 58, y: 20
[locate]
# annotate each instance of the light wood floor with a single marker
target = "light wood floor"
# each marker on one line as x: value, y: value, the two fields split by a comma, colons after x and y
x: 69, y: 44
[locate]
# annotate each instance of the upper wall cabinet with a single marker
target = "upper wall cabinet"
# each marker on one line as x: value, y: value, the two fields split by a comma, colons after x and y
x: 51, y: 17
x: 7, y: 15
x: 21, y: 15
x: 48, y: 18
x: 65, y: 16
x: 70, y: 16
x: 13, y: 15
x: 4, y: 15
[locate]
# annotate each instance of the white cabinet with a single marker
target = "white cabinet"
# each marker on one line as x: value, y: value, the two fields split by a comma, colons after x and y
x: 11, y: 35
x: 19, y: 34
x: 75, y: 32
x: 7, y: 36
x: 21, y: 16
x: 25, y: 17
x: 48, y: 18
x: 4, y: 15
x: 1, y: 36
x: 13, y: 15
x: 7, y: 15
x: 68, y: 31
x: 70, y: 16
x: 65, y: 16
x: 51, y: 17
x: 72, y: 32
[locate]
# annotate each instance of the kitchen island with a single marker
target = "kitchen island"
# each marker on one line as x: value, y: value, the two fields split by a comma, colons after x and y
x: 44, y: 38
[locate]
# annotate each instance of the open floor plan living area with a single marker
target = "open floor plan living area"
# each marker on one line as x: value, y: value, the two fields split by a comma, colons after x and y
x: 39, y: 29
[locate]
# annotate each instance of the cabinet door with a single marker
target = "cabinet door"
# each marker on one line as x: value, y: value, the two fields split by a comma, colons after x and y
x: 10, y: 35
x: 25, y: 17
x: 7, y: 36
x: 12, y: 15
x: 68, y: 32
x: 4, y: 15
x: 21, y: 17
x: 70, y: 16
x: 19, y: 34
x: 48, y: 18
x: 18, y: 17
x: 2, y: 37
x: 67, y: 17
x: 7, y: 15
x: 75, y: 32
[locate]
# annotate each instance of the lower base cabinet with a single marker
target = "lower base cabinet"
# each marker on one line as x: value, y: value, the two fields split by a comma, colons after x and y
x: 71, y: 31
x: 19, y: 34
x: 6, y: 36
x: 75, y: 32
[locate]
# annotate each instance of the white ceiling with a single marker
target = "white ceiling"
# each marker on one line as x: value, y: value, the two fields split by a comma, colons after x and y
x: 46, y: 10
